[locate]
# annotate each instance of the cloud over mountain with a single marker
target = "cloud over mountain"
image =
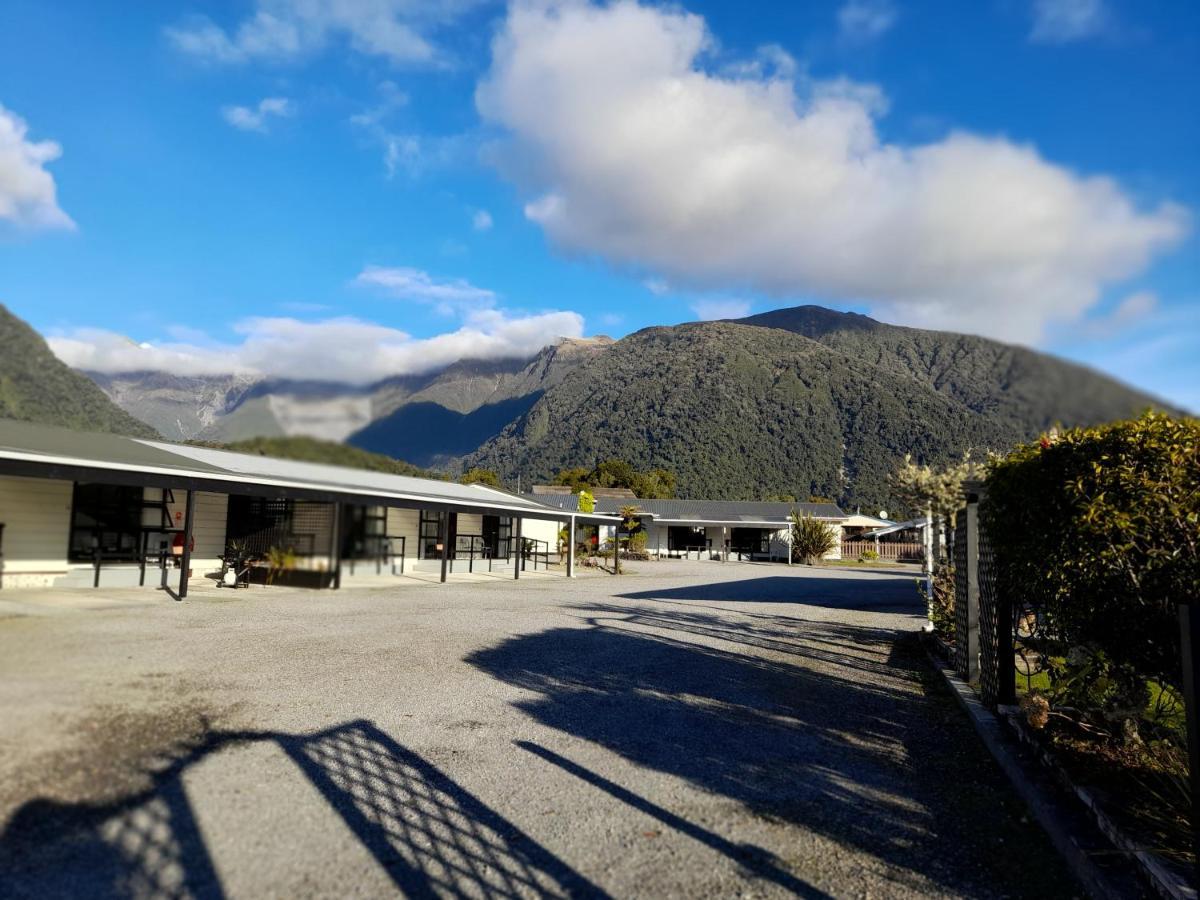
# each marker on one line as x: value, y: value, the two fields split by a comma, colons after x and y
x: 629, y: 143
x: 340, y: 349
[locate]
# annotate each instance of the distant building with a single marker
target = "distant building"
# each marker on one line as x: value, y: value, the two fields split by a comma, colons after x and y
x: 750, y: 529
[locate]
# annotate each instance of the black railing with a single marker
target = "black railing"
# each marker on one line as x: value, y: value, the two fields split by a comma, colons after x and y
x: 529, y: 550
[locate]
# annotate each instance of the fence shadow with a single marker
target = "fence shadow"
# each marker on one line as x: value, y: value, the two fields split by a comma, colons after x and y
x: 853, y: 748
x: 432, y: 837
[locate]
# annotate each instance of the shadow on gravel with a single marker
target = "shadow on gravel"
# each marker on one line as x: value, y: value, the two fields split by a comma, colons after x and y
x: 830, y: 727
x: 432, y: 837
x: 871, y: 590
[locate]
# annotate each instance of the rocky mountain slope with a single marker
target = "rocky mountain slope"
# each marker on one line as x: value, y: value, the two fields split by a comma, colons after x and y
x: 471, y: 401
x: 801, y: 401
x: 35, y: 386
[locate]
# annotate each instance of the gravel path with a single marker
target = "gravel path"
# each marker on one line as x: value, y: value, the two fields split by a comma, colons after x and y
x: 688, y: 730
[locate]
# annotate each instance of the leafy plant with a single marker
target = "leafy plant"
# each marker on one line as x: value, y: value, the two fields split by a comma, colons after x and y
x: 868, y: 555
x: 279, y: 561
x: 812, y: 539
x: 587, y: 503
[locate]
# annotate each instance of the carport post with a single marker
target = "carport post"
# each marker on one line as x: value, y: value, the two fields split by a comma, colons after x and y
x: 520, y: 550
x: 185, y: 561
x: 571, y: 547
x: 444, y: 536
x: 335, y: 546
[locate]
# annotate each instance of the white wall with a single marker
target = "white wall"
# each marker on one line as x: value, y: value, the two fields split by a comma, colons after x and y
x: 36, y: 513
x: 542, y: 530
x: 405, y: 522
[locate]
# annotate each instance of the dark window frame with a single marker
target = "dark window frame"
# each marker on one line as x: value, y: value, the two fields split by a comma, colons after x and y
x: 114, y: 510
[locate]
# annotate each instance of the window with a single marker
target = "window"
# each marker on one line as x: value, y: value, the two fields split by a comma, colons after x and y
x: 750, y: 540
x: 684, y: 537
x: 363, y: 528
x: 107, y: 517
x: 430, y: 534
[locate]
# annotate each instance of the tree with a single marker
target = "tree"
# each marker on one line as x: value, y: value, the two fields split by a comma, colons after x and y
x: 587, y: 503
x: 576, y: 479
x: 812, y: 539
x: 480, y: 476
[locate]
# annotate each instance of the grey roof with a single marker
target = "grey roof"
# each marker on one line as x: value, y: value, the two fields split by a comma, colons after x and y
x: 50, y: 452
x: 716, y: 511
x: 914, y: 524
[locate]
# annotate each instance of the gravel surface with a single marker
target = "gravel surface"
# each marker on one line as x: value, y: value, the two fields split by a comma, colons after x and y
x: 688, y: 730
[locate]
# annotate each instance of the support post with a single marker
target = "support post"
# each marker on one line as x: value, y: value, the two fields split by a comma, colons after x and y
x: 571, y: 547
x: 335, y: 547
x: 971, y: 672
x: 617, y: 549
x: 520, y: 550
x: 928, y: 539
x: 185, y: 560
x: 1189, y: 636
x: 444, y: 537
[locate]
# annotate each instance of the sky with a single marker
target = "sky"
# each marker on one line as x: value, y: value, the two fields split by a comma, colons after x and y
x: 351, y: 189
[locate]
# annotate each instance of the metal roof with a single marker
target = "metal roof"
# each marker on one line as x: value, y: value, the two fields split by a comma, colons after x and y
x: 747, y: 513
x: 50, y: 452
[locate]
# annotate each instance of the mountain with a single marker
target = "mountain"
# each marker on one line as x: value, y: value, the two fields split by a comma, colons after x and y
x: 471, y: 401
x: 447, y: 411
x: 800, y: 401
x: 35, y: 386
x: 178, y: 406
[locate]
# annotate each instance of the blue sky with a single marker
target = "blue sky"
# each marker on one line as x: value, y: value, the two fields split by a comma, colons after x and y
x: 353, y: 188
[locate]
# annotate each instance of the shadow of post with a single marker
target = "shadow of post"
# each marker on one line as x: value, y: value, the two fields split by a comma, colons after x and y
x: 757, y: 861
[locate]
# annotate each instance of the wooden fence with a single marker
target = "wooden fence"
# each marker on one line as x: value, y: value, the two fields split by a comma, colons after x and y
x: 896, y: 551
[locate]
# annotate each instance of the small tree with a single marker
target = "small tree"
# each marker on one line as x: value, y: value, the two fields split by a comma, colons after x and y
x: 812, y: 539
x: 587, y: 503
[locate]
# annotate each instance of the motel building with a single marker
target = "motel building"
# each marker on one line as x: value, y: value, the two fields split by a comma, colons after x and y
x: 101, y: 510
x: 708, y: 529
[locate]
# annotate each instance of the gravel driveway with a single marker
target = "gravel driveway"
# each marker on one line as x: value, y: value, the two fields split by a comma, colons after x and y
x: 687, y: 730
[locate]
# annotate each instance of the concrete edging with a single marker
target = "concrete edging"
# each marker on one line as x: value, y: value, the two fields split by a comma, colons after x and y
x: 1075, y: 838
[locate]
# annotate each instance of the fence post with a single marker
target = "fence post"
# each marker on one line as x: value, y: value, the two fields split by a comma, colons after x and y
x: 966, y: 589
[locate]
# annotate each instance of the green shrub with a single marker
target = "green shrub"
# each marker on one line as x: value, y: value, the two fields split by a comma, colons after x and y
x: 868, y: 555
x: 587, y: 503
x: 1099, y: 530
x: 812, y: 539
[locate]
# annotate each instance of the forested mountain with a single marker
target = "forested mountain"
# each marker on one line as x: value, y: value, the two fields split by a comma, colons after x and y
x: 35, y: 386
x: 801, y: 401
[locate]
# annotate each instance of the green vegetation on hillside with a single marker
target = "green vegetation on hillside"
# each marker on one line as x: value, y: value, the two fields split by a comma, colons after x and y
x: 306, y: 449
x: 658, y: 484
x: 746, y: 410
x: 36, y: 386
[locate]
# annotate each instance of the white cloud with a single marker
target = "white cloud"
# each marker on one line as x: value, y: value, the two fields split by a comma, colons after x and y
x: 391, y: 98
x: 349, y: 350
x: 710, y: 310
x: 657, y: 286
x: 255, y: 118
x: 28, y: 195
x: 628, y: 147
x: 481, y: 220
x: 405, y: 283
x: 281, y: 30
x: 865, y: 20
x: 1062, y: 21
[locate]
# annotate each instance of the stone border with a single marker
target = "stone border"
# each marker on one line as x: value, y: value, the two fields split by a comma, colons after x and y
x: 1168, y: 882
x: 1073, y: 833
